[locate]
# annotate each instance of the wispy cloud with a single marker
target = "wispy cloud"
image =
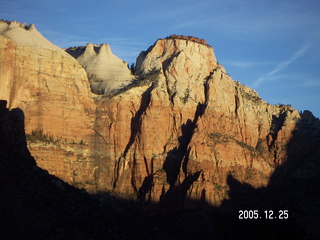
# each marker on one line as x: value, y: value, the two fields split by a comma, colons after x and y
x: 245, y: 64
x: 174, y: 11
x: 190, y: 24
x: 125, y: 48
x: 311, y: 83
x: 63, y: 39
x: 297, y: 80
x: 124, y: 41
x: 284, y: 64
x: 265, y: 20
x: 60, y: 34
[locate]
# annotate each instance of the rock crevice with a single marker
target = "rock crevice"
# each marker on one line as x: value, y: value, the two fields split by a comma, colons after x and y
x: 178, y: 128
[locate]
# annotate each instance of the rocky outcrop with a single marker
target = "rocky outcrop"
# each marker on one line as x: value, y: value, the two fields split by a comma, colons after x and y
x: 52, y: 89
x: 185, y: 65
x: 106, y: 72
x: 188, y: 38
x: 197, y: 126
x: 25, y: 35
x: 174, y: 132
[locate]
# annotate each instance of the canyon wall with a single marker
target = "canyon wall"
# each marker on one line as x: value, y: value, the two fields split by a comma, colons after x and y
x: 194, y: 126
x: 177, y: 129
x: 53, y: 91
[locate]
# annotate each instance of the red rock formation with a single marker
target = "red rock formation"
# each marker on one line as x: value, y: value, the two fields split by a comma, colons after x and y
x: 188, y: 38
x: 200, y: 124
x: 53, y: 91
x: 178, y: 130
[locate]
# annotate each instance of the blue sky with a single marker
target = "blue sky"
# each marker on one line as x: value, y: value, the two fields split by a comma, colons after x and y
x: 272, y: 46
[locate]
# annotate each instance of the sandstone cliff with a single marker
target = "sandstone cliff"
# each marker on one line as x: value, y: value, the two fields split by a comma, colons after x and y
x: 52, y: 89
x: 194, y: 126
x: 175, y: 130
x: 106, y: 71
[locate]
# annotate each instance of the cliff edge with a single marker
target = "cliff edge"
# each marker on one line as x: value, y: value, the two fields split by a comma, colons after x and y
x: 174, y: 131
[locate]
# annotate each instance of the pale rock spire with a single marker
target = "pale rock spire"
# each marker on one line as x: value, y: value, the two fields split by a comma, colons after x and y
x: 89, y: 49
x: 105, y: 49
x: 32, y: 27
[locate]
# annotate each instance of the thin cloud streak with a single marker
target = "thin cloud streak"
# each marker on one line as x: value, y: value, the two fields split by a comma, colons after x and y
x: 67, y: 39
x: 245, y: 64
x: 299, y: 53
x: 190, y: 24
x: 311, y: 83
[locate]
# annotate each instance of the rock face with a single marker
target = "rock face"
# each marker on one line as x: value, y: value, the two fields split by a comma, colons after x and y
x: 174, y: 132
x: 52, y: 89
x: 195, y: 126
x: 106, y: 72
x: 25, y: 35
x: 185, y: 65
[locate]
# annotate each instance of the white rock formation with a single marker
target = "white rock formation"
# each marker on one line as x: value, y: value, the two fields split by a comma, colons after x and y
x: 23, y: 35
x: 186, y: 63
x: 106, y: 72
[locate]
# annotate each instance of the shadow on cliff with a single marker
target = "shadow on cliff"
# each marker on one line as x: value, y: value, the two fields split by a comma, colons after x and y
x: 294, y: 186
x: 37, y: 205
x: 178, y: 156
x: 293, y: 189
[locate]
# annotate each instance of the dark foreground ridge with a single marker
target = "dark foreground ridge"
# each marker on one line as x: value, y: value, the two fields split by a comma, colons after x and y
x: 37, y: 205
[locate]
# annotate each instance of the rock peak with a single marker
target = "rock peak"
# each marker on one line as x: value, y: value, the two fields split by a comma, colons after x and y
x: 188, y: 38
x: 89, y: 49
x: 105, y: 49
x: 22, y: 34
x: 32, y: 27
x: 106, y: 71
x: 179, y: 132
x: 187, y: 52
x: 16, y: 24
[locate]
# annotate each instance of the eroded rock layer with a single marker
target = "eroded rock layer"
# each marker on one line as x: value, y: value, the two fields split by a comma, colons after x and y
x: 106, y: 72
x: 177, y: 130
x: 194, y: 126
x: 53, y: 91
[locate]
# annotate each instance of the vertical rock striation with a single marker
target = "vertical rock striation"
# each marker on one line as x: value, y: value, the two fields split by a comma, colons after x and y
x: 52, y: 89
x: 197, y: 126
x: 174, y: 131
